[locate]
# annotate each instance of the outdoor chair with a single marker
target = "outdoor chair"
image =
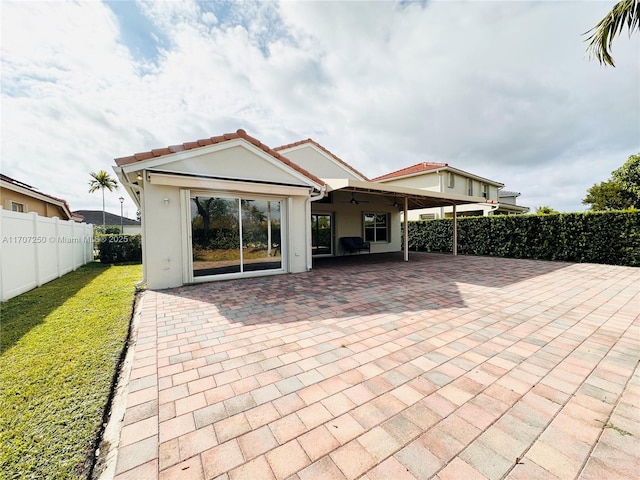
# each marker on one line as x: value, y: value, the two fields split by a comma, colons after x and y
x: 354, y: 244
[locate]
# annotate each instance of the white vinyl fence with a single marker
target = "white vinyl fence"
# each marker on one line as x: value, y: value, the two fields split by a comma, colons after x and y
x: 36, y: 250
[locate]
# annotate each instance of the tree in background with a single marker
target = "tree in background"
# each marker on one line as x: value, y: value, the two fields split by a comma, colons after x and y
x: 623, y: 13
x: 101, y: 181
x: 545, y: 210
x: 620, y: 192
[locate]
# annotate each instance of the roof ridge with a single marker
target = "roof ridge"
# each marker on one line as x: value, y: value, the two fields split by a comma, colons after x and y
x: 239, y: 134
x: 325, y: 150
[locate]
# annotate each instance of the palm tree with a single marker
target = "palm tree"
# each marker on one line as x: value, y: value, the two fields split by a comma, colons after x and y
x: 100, y: 181
x: 624, y: 12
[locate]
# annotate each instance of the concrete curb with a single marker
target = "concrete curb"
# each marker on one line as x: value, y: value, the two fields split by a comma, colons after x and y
x: 107, y: 453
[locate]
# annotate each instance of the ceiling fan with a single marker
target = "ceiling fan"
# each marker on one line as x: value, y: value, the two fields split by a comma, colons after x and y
x: 396, y: 203
x: 354, y: 201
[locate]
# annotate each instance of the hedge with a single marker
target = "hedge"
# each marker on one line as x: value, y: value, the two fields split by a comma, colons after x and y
x: 595, y: 237
x: 119, y: 248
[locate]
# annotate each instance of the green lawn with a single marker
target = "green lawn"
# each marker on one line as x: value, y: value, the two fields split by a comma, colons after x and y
x: 59, y: 347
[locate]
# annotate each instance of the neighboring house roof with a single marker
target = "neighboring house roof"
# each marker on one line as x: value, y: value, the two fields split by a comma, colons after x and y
x: 239, y: 134
x: 507, y: 193
x: 21, y: 187
x: 95, y: 217
x: 426, y: 167
x: 316, y: 144
x: 412, y: 170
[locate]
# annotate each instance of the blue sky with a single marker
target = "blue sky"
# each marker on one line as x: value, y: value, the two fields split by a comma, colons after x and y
x: 501, y: 89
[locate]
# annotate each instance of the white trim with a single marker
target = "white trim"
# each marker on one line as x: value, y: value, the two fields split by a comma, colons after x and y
x: 227, y: 186
x: 187, y: 243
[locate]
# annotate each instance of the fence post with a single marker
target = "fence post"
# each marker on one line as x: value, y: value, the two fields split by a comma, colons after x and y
x: 36, y: 249
x: 73, y: 244
x: 57, y: 221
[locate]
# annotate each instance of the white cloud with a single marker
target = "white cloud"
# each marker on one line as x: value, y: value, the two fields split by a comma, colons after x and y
x: 501, y: 89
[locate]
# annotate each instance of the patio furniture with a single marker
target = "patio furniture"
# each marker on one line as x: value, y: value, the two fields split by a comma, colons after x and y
x: 354, y: 244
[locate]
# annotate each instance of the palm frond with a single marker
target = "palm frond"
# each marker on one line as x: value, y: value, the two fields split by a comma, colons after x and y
x: 626, y: 12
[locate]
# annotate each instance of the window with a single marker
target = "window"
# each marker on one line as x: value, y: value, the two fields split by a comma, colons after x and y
x: 469, y: 187
x: 485, y: 190
x: 376, y: 227
x: 451, y: 180
x: 427, y: 216
x: 17, y: 207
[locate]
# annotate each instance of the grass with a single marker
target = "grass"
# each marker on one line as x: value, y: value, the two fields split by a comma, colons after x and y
x: 59, y: 348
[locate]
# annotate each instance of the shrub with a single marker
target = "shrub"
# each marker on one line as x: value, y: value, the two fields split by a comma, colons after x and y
x: 595, y: 237
x: 119, y: 248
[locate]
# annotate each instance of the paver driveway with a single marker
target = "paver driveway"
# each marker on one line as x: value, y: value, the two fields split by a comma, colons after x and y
x: 443, y: 367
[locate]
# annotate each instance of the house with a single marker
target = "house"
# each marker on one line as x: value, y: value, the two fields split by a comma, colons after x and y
x: 230, y: 206
x: 129, y: 227
x: 507, y: 204
x: 440, y: 177
x: 17, y: 196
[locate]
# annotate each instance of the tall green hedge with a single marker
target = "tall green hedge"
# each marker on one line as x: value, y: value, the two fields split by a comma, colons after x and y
x: 119, y: 248
x: 600, y: 237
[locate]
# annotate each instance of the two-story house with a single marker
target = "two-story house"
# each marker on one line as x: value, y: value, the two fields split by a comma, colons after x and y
x: 17, y: 196
x: 440, y: 177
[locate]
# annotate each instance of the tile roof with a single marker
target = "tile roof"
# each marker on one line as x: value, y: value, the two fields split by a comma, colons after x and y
x: 316, y: 144
x: 239, y: 134
x: 20, y: 184
x: 412, y: 170
x: 95, y: 217
x: 507, y: 193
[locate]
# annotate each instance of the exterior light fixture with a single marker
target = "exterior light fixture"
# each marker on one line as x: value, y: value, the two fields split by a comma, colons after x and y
x: 121, y: 205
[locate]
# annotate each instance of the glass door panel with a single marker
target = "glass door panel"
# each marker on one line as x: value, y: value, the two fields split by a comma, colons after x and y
x: 261, y: 236
x: 321, y: 235
x: 215, y: 235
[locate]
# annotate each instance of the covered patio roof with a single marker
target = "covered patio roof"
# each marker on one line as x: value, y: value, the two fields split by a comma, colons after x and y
x: 415, y: 198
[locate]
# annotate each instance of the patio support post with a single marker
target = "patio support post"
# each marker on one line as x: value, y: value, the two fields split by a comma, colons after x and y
x: 406, y: 229
x: 455, y: 230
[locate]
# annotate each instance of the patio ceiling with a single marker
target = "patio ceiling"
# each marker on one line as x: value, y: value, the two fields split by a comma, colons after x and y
x: 417, y: 198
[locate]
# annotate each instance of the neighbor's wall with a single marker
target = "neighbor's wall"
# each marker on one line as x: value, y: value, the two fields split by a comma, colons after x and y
x: 36, y: 250
x: 428, y: 181
x: 31, y: 204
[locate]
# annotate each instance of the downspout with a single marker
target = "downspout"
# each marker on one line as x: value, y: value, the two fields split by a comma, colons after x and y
x: 140, y: 191
x: 320, y: 195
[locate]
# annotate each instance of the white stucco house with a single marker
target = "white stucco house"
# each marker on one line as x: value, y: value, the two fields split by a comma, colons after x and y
x: 440, y: 177
x: 229, y: 206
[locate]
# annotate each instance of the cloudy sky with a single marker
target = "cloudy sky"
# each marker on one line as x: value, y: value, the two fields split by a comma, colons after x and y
x: 502, y: 89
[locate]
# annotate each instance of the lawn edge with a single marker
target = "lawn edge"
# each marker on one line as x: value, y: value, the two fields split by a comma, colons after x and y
x: 105, y: 450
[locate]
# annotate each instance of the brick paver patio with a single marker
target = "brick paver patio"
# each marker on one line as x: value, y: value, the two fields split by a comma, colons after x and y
x: 443, y: 367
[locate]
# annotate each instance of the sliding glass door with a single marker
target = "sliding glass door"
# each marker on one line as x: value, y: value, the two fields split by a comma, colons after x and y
x: 235, y: 235
x: 321, y: 234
